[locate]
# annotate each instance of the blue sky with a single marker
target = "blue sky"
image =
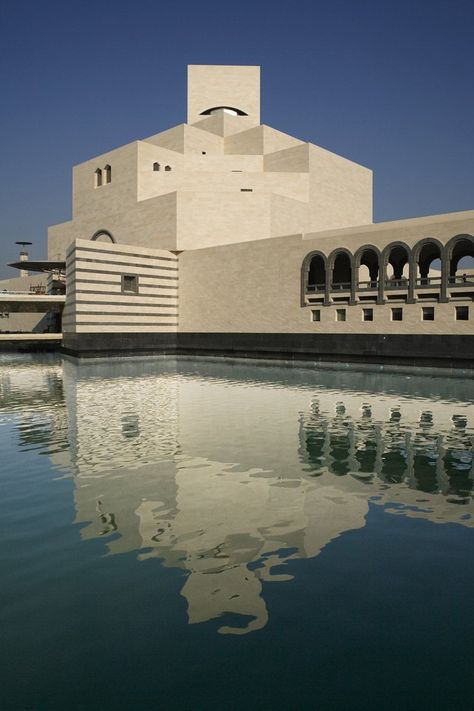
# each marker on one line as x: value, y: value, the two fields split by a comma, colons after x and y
x: 387, y: 84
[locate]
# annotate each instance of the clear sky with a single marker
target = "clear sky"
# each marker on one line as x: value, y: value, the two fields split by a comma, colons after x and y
x: 386, y: 83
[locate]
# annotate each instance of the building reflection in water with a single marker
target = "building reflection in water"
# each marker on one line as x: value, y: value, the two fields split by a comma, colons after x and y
x: 229, y: 472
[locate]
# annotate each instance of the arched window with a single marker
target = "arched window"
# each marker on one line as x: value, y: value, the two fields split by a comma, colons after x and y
x: 461, y: 258
x: 167, y: 167
x: 367, y: 268
x: 398, y: 266
x: 108, y: 174
x: 429, y: 264
x: 316, y: 274
x: 103, y: 236
x: 156, y: 166
x: 342, y: 272
x: 98, y: 178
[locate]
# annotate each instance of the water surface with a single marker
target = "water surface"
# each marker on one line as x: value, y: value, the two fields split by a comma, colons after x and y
x: 184, y: 534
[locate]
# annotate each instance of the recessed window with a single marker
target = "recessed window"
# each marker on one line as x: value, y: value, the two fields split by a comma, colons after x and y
x: 427, y: 313
x: 397, y: 314
x: 167, y: 168
x: 462, y: 313
x: 98, y: 178
x: 108, y: 174
x: 340, y: 314
x: 203, y: 153
x: 316, y: 315
x: 367, y: 314
x: 130, y: 284
x: 156, y: 167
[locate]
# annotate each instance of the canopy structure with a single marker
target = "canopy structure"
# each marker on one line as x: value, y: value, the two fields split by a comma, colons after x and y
x: 39, y: 265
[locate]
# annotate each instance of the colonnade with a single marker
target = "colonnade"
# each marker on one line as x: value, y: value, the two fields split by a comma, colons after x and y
x: 397, y: 267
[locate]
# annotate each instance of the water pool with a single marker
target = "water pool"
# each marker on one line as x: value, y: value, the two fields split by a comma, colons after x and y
x: 184, y: 534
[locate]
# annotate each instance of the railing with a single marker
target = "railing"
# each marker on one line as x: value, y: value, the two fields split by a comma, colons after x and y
x: 464, y: 280
x: 17, y: 292
x: 428, y: 281
x: 367, y: 285
x: 396, y: 283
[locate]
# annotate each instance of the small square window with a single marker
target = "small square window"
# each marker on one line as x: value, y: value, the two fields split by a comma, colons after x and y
x: 130, y: 283
x: 316, y: 315
x: 427, y: 313
x: 340, y: 314
x: 462, y: 313
x: 367, y: 314
x: 397, y: 314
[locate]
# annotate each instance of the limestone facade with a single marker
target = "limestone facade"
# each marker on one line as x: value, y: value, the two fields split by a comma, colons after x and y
x: 270, y: 234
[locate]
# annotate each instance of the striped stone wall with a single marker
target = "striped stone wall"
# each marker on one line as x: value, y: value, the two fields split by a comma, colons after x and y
x: 96, y: 301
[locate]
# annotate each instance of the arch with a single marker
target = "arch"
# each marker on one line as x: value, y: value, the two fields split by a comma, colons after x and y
x: 156, y: 167
x: 108, y: 174
x: 398, y: 255
x: 425, y: 252
x: 313, y: 274
x: 98, y: 178
x: 457, y: 248
x: 340, y: 268
x: 369, y: 257
x: 103, y: 233
x: 228, y: 109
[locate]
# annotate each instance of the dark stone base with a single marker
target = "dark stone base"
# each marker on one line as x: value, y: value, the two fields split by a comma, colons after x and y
x: 437, y: 351
x: 30, y: 346
x: 96, y: 345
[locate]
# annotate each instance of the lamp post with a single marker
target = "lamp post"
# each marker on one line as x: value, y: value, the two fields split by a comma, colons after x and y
x: 23, y: 256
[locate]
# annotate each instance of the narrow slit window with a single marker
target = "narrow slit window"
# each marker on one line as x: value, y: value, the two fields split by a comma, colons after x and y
x: 246, y: 190
x: 156, y: 167
x: 108, y: 174
x: 98, y: 178
x: 130, y: 284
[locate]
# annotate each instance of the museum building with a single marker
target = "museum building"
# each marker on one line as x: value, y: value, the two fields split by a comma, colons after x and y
x: 225, y: 236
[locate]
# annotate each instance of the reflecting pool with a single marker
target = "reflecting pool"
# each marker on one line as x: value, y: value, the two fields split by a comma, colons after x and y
x: 184, y: 534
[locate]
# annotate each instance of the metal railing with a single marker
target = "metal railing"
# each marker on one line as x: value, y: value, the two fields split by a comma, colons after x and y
x: 17, y: 292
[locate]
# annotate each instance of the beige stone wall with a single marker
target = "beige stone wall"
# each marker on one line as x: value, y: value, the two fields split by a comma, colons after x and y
x: 96, y: 301
x: 210, y: 86
x: 256, y: 287
x: 204, y: 220
x: 119, y: 194
x: 215, y: 161
x: 441, y: 227
x: 340, y: 191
